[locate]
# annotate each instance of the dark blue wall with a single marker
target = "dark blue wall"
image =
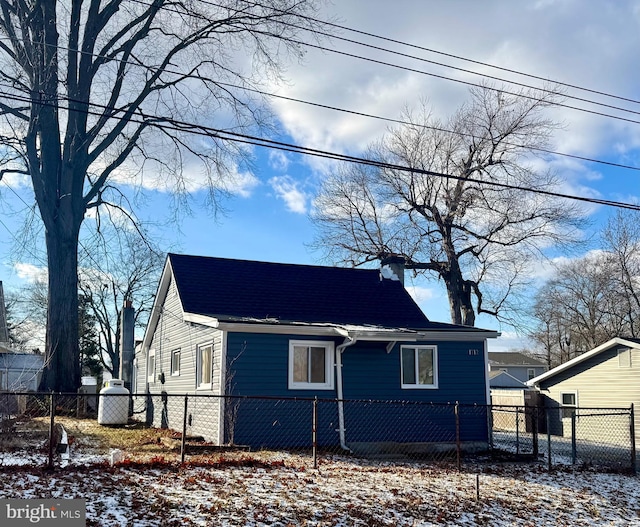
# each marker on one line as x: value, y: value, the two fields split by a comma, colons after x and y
x: 259, y: 365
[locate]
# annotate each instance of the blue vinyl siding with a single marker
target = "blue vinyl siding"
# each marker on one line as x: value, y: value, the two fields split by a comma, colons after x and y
x: 258, y: 364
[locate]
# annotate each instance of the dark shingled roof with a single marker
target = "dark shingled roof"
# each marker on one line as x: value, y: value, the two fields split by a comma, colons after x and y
x: 241, y: 289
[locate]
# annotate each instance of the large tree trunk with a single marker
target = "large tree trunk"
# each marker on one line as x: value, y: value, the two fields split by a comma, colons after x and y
x: 62, y: 371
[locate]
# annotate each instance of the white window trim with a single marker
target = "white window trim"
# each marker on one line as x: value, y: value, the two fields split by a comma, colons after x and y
x: 207, y: 385
x: 328, y: 365
x: 176, y: 373
x: 151, y: 372
x: 417, y: 386
x: 563, y: 406
x: 531, y: 373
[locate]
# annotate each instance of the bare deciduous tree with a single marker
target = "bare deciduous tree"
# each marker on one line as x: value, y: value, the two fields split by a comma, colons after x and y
x: 120, y: 265
x: 593, y: 298
x: 97, y: 91
x: 621, y: 239
x: 479, y: 239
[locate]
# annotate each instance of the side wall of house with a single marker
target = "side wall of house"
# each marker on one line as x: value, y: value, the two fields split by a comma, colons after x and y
x: 165, y: 407
x: 607, y: 380
x: 521, y: 372
x: 259, y: 366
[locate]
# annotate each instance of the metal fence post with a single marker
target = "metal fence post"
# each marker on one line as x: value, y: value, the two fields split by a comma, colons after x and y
x: 574, y: 451
x: 52, y: 429
x: 534, y: 429
x: 517, y: 430
x: 457, y: 416
x: 183, y: 445
x: 632, y: 433
x: 314, y: 432
x: 548, y: 419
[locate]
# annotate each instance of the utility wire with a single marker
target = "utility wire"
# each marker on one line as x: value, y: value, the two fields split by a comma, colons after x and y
x: 422, y: 59
x: 354, y: 112
x: 442, y: 53
x: 224, y: 135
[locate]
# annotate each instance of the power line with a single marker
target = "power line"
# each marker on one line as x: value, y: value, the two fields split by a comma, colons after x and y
x: 465, y: 59
x: 224, y: 135
x: 421, y: 72
x: 422, y: 59
x: 363, y: 114
x: 435, y: 128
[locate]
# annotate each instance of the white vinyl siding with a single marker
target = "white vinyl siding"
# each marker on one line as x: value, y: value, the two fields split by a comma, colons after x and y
x: 171, y: 334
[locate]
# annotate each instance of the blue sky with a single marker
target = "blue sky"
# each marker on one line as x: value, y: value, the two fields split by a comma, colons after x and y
x: 267, y: 216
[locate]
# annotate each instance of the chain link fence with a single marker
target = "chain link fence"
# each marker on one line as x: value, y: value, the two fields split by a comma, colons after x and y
x: 602, y: 437
x: 58, y: 429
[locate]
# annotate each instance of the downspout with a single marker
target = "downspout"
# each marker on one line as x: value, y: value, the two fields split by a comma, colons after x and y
x: 348, y: 341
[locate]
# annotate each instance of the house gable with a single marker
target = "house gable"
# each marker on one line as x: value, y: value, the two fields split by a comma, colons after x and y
x: 600, y: 377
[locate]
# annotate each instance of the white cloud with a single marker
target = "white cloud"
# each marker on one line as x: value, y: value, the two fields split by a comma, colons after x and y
x: 31, y: 273
x: 278, y: 160
x: 287, y: 189
x: 594, y: 48
x: 421, y: 294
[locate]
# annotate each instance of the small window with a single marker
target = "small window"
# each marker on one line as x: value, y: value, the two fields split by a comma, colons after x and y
x: 151, y: 366
x: 419, y: 365
x: 310, y: 365
x: 175, y: 363
x: 624, y: 358
x: 205, y: 356
x: 569, y: 403
x: 531, y: 373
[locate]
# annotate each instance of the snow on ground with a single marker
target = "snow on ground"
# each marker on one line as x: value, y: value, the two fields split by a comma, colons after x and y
x: 261, y: 489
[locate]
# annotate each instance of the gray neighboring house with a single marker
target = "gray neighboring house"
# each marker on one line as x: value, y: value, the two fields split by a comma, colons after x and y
x: 518, y: 365
x: 20, y: 372
x: 607, y: 376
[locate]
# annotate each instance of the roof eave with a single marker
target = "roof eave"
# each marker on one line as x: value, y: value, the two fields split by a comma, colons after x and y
x: 581, y: 358
x: 369, y: 333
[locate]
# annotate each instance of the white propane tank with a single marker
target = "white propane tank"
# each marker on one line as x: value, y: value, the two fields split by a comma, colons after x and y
x: 113, y: 406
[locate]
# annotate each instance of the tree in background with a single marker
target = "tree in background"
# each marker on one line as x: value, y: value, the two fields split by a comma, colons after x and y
x: 442, y: 216
x: 594, y: 298
x: 121, y: 264
x: 91, y: 362
x: 96, y: 94
x: 621, y: 240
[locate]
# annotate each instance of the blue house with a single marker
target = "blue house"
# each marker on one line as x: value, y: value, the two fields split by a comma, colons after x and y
x: 353, y: 338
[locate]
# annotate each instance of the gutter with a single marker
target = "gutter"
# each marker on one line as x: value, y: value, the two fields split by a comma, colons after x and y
x: 348, y: 341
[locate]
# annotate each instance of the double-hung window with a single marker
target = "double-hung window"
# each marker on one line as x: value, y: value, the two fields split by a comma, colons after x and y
x: 151, y: 366
x: 310, y: 365
x: 419, y: 367
x: 569, y: 403
x: 175, y: 363
x: 204, y: 366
